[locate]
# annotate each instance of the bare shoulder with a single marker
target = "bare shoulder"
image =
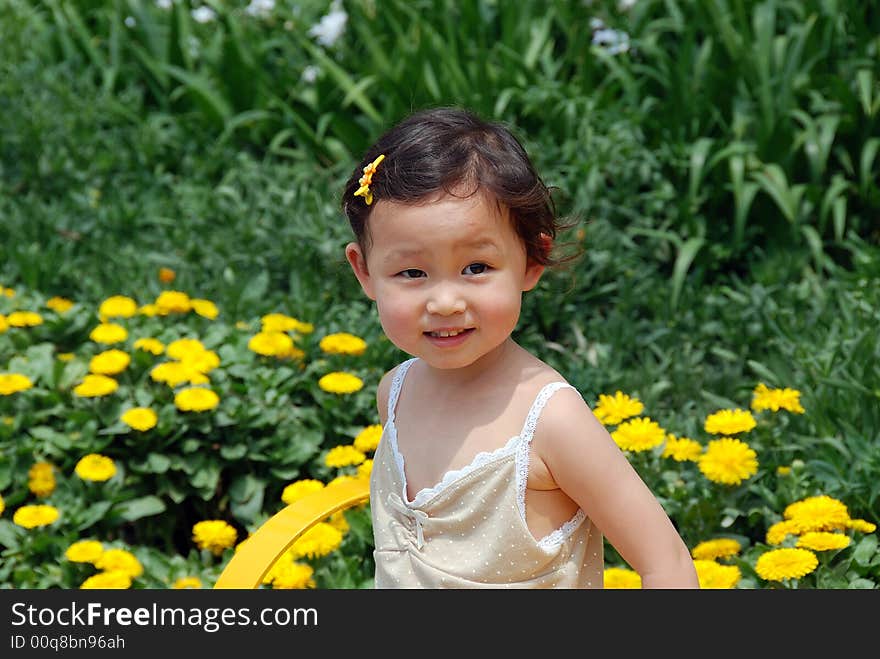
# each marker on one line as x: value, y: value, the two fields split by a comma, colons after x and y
x: 382, y: 392
x: 567, y: 427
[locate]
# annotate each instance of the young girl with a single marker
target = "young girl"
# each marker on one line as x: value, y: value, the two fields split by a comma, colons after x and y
x: 492, y: 471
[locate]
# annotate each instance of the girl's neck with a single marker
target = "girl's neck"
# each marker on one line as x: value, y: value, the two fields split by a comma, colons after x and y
x: 487, y: 369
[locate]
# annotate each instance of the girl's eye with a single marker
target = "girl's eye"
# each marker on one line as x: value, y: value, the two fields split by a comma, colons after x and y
x: 476, y: 269
x: 411, y: 273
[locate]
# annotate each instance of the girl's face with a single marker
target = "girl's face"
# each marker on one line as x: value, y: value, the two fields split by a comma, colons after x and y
x: 447, y: 277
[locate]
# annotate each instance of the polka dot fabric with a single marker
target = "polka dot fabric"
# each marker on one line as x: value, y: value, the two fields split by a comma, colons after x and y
x: 470, y: 531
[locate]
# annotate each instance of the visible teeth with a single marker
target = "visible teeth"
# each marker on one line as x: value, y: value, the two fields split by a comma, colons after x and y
x: 445, y: 334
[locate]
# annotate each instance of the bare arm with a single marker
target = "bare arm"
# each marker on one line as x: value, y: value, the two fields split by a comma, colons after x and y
x: 590, y: 468
x: 382, y: 392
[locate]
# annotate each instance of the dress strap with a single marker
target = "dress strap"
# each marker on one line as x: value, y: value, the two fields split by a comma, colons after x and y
x: 537, y: 406
x: 525, y: 441
x: 396, y: 386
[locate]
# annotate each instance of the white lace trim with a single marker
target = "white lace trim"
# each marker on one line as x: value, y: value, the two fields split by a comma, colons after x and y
x: 518, y: 444
x: 558, y: 536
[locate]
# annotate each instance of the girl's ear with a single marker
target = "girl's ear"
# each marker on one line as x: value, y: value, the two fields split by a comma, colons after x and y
x: 534, y: 270
x: 358, y: 262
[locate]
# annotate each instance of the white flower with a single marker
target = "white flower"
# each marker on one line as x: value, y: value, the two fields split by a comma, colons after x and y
x: 260, y: 8
x: 310, y: 73
x: 331, y: 26
x: 625, y: 5
x: 613, y: 41
x: 203, y: 14
x: 129, y: 21
x: 164, y: 4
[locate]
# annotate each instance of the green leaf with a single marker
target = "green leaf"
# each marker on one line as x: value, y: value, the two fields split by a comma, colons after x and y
x: 93, y: 514
x: 865, y: 550
x: 142, y: 507
x: 686, y: 254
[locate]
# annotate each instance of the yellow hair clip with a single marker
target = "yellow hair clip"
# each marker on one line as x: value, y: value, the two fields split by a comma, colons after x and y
x: 367, y: 179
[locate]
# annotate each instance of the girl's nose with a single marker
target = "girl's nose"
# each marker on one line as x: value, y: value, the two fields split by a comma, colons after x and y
x: 445, y: 301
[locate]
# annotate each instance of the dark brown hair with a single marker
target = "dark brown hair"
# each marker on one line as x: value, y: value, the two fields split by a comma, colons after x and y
x: 451, y: 150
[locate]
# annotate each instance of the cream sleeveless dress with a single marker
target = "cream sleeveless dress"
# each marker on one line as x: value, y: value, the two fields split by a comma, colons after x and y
x: 469, y: 531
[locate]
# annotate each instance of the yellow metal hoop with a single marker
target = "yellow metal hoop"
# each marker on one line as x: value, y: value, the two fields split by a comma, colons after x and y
x: 255, y: 557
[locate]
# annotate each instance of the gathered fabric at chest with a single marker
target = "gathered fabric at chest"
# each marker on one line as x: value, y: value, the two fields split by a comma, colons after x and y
x: 469, y: 530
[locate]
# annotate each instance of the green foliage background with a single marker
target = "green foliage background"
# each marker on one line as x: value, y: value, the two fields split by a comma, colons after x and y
x: 723, y: 173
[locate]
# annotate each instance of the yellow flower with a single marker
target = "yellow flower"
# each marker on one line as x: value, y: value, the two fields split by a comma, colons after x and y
x: 318, y: 541
x: 172, y: 302
x: 611, y: 410
x: 11, y: 383
x: 149, y: 310
x: 84, y: 551
x: 203, y: 362
x: 109, y: 362
x: 65, y: 356
x: 367, y: 439
x: 718, y: 548
x: 41, y: 479
x: 59, y: 304
x: 343, y: 456
x: 861, y: 525
x: 108, y: 333
x: 271, y: 343
x: 8, y: 292
x: 764, y: 398
x: 185, y: 583
x: 24, y: 319
x: 196, y: 399
x: 291, y: 575
x: 139, y: 418
x: 681, y: 449
x: 121, y: 560
x: 728, y: 461
x: 365, y: 469
x: 343, y: 343
x: 279, y: 322
x: 818, y: 513
x: 214, y: 535
x: 95, y: 467
x: 205, y: 308
x: 167, y: 275
x: 620, y: 577
x: 116, y: 579
x: 777, y: 532
x: 183, y: 348
x: 342, y: 478
x: 151, y: 345
x: 117, y: 306
x: 783, y: 471
x: 729, y: 422
x: 640, y: 434
x: 94, y: 385
x: 298, y: 489
x: 340, y: 383
x: 32, y: 516
x: 4, y: 325
x: 714, y: 575
x: 2, y: 504
x: 823, y: 540
x: 338, y: 521
x: 786, y: 563
x: 175, y: 373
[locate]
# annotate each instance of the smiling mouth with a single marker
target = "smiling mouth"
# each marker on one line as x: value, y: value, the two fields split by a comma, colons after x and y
x: 443, y: 334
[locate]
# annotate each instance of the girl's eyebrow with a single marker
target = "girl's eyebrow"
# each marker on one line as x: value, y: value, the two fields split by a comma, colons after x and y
x: 404, y: 253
